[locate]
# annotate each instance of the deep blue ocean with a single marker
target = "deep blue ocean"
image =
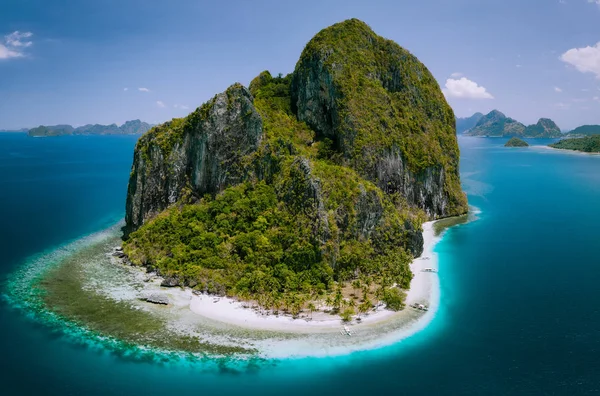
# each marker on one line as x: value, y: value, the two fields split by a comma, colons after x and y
x: 520, y: 303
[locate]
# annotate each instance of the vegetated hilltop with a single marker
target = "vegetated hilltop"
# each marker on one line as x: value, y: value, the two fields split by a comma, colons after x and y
x: 516, y: 142
x: 466, y: 123
x: 289, y: 189
x: 496, y: 124
x: 588, y: 144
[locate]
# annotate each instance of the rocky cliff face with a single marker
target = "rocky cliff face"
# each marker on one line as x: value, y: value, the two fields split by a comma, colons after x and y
x: 384, y: 113
x: 193, y: 156
x: 358, y: 145
x: 495, y: 123
x: 545, y: 128
x: 464, y: 124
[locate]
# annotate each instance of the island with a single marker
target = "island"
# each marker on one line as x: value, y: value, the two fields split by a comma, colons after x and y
x: 293, y: 217
x: 133, y: 127
x: 466, y: 123
x: 516, y: 142
x: 304, y: 187
x: 587, y: 144
x: 496, y: 124
x: 584, y: 130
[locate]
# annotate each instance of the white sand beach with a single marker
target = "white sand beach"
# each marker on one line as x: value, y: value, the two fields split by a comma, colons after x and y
x: 422, y: 291
x: 225, y: 321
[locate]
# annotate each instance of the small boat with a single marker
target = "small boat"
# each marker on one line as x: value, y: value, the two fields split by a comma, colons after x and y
x: 420, y: 307
x: 346, y: 331
x: 429, y: 270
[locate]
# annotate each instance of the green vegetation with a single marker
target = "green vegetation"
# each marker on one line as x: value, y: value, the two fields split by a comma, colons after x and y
x: 394, y: 299
x: 55, y: 130
x: 585, y: 130
x: 257, y: 242
x: 588, y: 144
x: 497, y: 124
x: 464, y: 124
x: 308, y: 220
x: 380, y: 99
x: 545, y: 128
x: 516, y: 142
x: 129, y: 127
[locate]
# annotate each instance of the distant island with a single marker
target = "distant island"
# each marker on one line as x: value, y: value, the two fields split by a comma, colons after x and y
x: 14, y: 130
x: 588, y: 144
x: 516, y: 142
x: 466, y: 123
x: 584, y: 130
x: 134, y: 127
x: 496, y: 124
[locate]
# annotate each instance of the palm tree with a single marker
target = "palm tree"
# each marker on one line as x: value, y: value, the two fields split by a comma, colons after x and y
x: 311, y: 308
x: 356, y: 285
x: 329, y: 301
x: 338, y: 299
x: 364, y: 306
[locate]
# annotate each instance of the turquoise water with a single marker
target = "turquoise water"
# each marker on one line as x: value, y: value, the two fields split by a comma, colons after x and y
x: 519, y: 311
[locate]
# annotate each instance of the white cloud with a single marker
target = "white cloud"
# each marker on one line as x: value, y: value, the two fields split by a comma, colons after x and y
x: 562, y: 106
x: 143, y: 90
x: 557, y: 89
x: 594, y: 1
x: 597, y: 99
x: 7, y: 53
x: 562, y: 2
x: 518, y: 66
x: 182, y: 107
x: 160, y: 104
x: 456, y: 75
x: 125, y: 89
x: 586, y: 59
x: 15, y: 39
x: 13, y: 44
x: 465, y: 89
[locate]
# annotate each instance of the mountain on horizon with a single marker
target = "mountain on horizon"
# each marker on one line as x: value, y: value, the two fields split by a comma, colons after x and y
x: 496, y: 124
x: 133, y: 127
x: 466, y: 123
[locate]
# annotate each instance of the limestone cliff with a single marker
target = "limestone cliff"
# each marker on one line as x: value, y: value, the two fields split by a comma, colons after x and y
x: 384, y: 113
x: 193, y: 156
x: 329, y: 170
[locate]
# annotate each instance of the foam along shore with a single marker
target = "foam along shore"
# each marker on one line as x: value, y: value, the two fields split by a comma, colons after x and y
x: 423, y: 290
x: 564, y: 151
x: 220, y: 322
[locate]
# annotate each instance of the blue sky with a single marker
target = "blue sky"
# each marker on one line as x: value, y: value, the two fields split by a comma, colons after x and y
x: 85, y: 61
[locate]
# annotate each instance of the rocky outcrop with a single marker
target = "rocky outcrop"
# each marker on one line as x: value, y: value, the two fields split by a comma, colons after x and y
x: 170, y: 281
x: 157, y: 299
x: 496, y: 124
x: 545, y: 128
x: 384, y: 113
x: 466, y: 123
x: 193, y: 156
x: 516, y: 142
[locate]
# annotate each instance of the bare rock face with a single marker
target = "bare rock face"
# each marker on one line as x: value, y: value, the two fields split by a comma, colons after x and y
x: 189, y: 157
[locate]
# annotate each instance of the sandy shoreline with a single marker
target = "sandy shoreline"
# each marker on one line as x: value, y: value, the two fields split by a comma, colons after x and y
x: 565, y: 151
x: 422, y: 291
x: 224, y: 322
